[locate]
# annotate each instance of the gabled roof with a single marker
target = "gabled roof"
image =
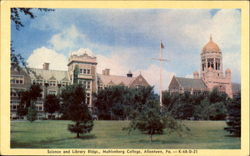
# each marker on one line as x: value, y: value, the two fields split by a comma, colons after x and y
x: 52, y: 78
x: 65, y: 79
x: 191, y: 83
x: 57, y: 75
x: 116, y: 80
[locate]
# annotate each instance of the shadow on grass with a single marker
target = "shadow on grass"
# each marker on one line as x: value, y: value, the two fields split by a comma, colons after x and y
x: 232, y: 136
x: 156, y: 141
x: 86, y: 137
x: 13, y: 131
x: 48, y: 141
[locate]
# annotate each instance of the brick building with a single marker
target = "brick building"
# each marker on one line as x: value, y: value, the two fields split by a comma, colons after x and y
x: 53, y: 81
x: 211, y: 74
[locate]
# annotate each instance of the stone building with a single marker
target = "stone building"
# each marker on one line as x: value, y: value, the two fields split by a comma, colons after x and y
x: 53, y: 81
x: 211, y: 74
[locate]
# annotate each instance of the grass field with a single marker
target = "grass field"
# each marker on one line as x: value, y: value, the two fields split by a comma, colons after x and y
x: 109, y: 134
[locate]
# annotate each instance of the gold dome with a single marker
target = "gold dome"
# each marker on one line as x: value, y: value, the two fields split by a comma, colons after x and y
x: 211, y: 47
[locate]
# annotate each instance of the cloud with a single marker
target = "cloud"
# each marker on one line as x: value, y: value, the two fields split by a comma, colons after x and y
x: 183, y: 37
x: 41, y: 55
x: 152, y: 75
x: 113, y: 62
x: 189, y: 76
x: 66, y: 39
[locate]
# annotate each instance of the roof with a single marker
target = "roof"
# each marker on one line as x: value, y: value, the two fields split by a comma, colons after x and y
x: 236, y: 87
x: 211, y: 47
x: 191, y: 83
x: 57, y: 75
x: 117, y: 80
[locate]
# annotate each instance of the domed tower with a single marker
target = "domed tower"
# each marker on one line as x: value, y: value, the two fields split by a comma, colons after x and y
x: 211, y: 60
x: 212, y: 68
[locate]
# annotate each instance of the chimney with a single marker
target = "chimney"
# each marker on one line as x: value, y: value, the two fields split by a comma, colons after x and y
x: 105, y: 71
x: 46, y: 66
x: 129, y: 74
x: 196, y: 75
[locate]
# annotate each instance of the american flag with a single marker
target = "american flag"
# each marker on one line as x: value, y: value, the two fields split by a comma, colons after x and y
x: 162, y: 46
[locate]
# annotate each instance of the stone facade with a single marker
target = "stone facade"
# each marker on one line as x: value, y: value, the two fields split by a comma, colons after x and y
x: 211, y: 73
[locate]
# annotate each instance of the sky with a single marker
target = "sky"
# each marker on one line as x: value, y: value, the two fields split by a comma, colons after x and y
x: 128, y: 39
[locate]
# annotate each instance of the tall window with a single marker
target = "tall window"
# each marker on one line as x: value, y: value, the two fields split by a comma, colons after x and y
x: 210, y: 62
x: 217, y: 64
x: 85, y: 83
x: 203, y: 64
x: 88, y: 98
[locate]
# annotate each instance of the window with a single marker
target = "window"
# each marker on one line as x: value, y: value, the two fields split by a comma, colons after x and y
x: 64, y: 83
x: 39, y: 81
x: 17, y: 79
x: 87, y: 98
x: 52, y: 83
x: 15, y: 92
x: 52, y: 92
x: 14, y: 105
x: 39, y: 108
x: 88, y: 85
x: 85, y: 83
x: 85, y: 71
x: 210, y: 62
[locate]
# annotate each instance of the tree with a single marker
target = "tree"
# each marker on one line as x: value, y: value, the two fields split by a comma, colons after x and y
x: 52, y: 104
x: 234, y: 116
x: 216, y: 96
x: 201, y: 110
x: 32, y: 113
x: 113, y: 102
x: 217, y: 111
x: 28, y: 99
x: 16, y: 13
x: 150, y: 118
x: 73, y: 97
x: 148, y: 121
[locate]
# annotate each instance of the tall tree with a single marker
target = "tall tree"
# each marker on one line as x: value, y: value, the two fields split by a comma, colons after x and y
x: 32, y: 113
x: 73, y: 97
x: 28, y: 101
x: 52, y: 104
x: 234, y: 116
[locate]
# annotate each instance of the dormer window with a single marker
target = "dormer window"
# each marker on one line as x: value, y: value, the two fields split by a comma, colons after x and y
x: 52, y: 83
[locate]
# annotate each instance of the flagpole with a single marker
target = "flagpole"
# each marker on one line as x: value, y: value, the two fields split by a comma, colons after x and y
x: 161, y: 74
x: 161, y: 59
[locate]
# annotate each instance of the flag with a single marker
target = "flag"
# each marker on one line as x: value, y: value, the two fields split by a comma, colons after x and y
x: 162, y: 46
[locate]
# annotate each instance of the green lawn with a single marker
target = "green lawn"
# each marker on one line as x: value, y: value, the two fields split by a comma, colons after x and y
x: 109, y: 134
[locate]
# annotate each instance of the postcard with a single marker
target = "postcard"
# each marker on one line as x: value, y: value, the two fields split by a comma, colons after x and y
x: 124, y: 78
